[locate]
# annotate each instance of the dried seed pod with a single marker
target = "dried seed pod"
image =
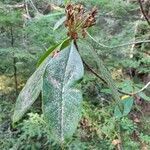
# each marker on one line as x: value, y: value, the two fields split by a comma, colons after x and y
x: 78, y: 20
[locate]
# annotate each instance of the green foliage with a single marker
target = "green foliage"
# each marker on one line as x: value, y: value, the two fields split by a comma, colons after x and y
x: 108, y: 128
x: 128, y: 125
x: 116, y: 7
x: 118, y: 22
x: 40, y: 31
x: 68, y: 69
x: 127, y: 106
x: 105, y: 75
x: 33, y: 131
x: 10, y: 19
x: 30, y: 92
x: 129, y: 87
x: 145, y: 138
x: 61, y: 98
x: 57, y: 47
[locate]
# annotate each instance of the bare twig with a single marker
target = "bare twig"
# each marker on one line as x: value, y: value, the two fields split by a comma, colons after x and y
x: 33, y: 6
x: 131, y: 43
x: 134, y: 44
x: 142, y: 88
x: 136, y: 92
x: 17, y: 6
x: 126, y: 44
x: 102, y: 45
x: 97, y: 75
x: 143, y: 12
x: 94, y: 72
x: 27, y: 10
x: 14, y: 63
x: 122, y: 92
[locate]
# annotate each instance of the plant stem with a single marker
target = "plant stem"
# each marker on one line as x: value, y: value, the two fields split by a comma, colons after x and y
x: 95, y: 73
x: 126, y: 44
x: 106, y: 78
x: 98, y: 76
x: 14, y: 63
x: 102, y: 45
x: 119, y: 136
x: 143, y: 12
x: 33, y: 6
x: 136, y: 92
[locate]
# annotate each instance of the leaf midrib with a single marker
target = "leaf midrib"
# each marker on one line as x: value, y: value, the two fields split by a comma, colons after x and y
x: 62, y: 91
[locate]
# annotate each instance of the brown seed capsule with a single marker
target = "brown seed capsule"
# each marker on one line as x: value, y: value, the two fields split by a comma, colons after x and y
x: 78, y: 20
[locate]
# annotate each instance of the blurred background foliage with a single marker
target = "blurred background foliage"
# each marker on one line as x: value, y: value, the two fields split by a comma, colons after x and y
x: 26, y: 31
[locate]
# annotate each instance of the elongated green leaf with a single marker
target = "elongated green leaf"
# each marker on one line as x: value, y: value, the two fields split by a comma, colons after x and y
x: 103, y: 72
x: 59, y: 23
x: 107, y: 77
x: 30, y: 92
x: 61, y: 97
x: 58, y: 46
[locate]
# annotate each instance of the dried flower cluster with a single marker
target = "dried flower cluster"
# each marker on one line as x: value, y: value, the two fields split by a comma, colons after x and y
x: 78, y: 20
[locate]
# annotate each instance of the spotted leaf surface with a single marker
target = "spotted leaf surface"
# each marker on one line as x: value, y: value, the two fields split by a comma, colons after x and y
x: 30, y: 92
x: 61, y: 97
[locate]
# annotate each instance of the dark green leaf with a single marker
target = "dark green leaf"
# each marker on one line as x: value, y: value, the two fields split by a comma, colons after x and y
x: 61, y: 97
x: 58, y: 46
